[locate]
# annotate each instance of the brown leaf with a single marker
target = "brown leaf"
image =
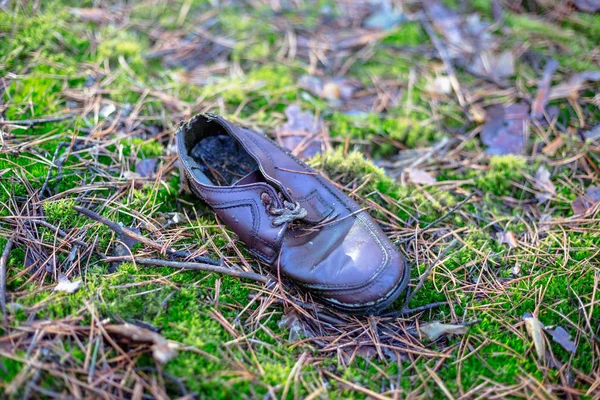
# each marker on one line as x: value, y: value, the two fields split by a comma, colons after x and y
x: 146, y: 167
x: 509, y: 238
x: 162, y: 351
x: 574, y: 85
x: 303, y: 135
x: 420, y: 177
x: 298, y: 329
x: 593, y: 134
x: 583, y: 203
x: 449, y: 24
x: 503, y: 131
x: 562, y: 337
x: 534, y: 328
x: 436, y: 329
x: 499, y: 66
x: 590, y: 6
x: 335, y: 90
x: 543, y: 182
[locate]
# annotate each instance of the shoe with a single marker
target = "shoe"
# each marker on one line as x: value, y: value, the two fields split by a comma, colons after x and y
x: 291, y: 217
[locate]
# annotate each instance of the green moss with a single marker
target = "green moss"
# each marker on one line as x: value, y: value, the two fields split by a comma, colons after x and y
x: 50, y: 52
x: 407, y: 130
x: 407, y: 34
x: 503, y: 170
x: 345, y: 168
x: 120, y: 43
x: 60, y: 211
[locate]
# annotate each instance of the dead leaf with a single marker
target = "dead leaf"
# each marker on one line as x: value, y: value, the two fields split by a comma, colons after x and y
x: 574, y: 85
x: 534, y: 329
x: 162, y: 350
x: 543, y: 182
x: 449, y: 24
x: 541, y: 99
x: 503, y: 131
x: 303, y: 134
x: 590, y: 6
x: 384, y: 18
x: 420, y: 177
x: 130, y: 175
x: 593, y: 134
x: 583, y: 203
x: 436, y: 329
x: 465, y: 36
x: 145, y: 168
x: 440, y: 86
x: 497, y: 66
x: 170, y: 218
x: 507, y: 237
x: 65, y: 285
x: 107, y: 110
x: 294, y: 324
x: 335, y: 89
x: 562, y: 337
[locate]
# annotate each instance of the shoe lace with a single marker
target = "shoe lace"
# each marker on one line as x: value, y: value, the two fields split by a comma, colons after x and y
x: 288, y: 213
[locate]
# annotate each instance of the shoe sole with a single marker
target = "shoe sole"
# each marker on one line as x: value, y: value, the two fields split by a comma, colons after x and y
x: 382, y: 304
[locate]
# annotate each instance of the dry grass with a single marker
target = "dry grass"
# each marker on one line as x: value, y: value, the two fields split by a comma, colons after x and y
x: 77, y: 204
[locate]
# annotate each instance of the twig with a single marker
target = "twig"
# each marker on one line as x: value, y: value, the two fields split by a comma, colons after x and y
x: 31, y: 122
x: 3, y: 262
x: 445, y: 60
x: 121, y: 230
x: 408, y: 311
x: 193, y: 266
x: 437, y: 221
x: 541, y: 99
x: 426, y: 274
x: 52, y: 164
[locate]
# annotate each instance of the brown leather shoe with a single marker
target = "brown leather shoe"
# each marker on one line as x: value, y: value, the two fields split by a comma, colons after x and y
x: 291, y: 217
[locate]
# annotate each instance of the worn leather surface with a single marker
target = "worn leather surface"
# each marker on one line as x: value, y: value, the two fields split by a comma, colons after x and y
x: 336, y: 251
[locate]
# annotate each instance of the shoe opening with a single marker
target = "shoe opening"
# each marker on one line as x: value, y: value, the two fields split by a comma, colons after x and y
x: 219, y: 157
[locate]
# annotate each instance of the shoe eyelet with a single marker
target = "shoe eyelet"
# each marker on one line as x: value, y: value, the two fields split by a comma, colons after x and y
x: 266, y: 199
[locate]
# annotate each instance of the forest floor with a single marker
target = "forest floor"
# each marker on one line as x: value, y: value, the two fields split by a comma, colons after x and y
x: 470, y: 130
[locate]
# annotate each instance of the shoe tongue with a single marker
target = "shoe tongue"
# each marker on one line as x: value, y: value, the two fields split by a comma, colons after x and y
x: 252, y: 177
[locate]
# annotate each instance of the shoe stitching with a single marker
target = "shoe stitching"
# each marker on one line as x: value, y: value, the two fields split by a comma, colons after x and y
x: 367, y: 224
x: 319, y: 198
x: 253, y: 211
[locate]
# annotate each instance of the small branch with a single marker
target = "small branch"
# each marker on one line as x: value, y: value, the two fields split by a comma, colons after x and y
x: 541, y: 99
x: 121, y: 230
x: 446, y: 60
x: 3, y: 263
x: 31, y: 122
x: 427, y: 273
x: 193, y: 266
x: 437, y: 221
x: 52, y: 164
x: 408, y: 311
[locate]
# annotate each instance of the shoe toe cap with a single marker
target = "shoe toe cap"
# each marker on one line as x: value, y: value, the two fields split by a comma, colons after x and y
x: 380, y: 290
x: 352, y: 266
